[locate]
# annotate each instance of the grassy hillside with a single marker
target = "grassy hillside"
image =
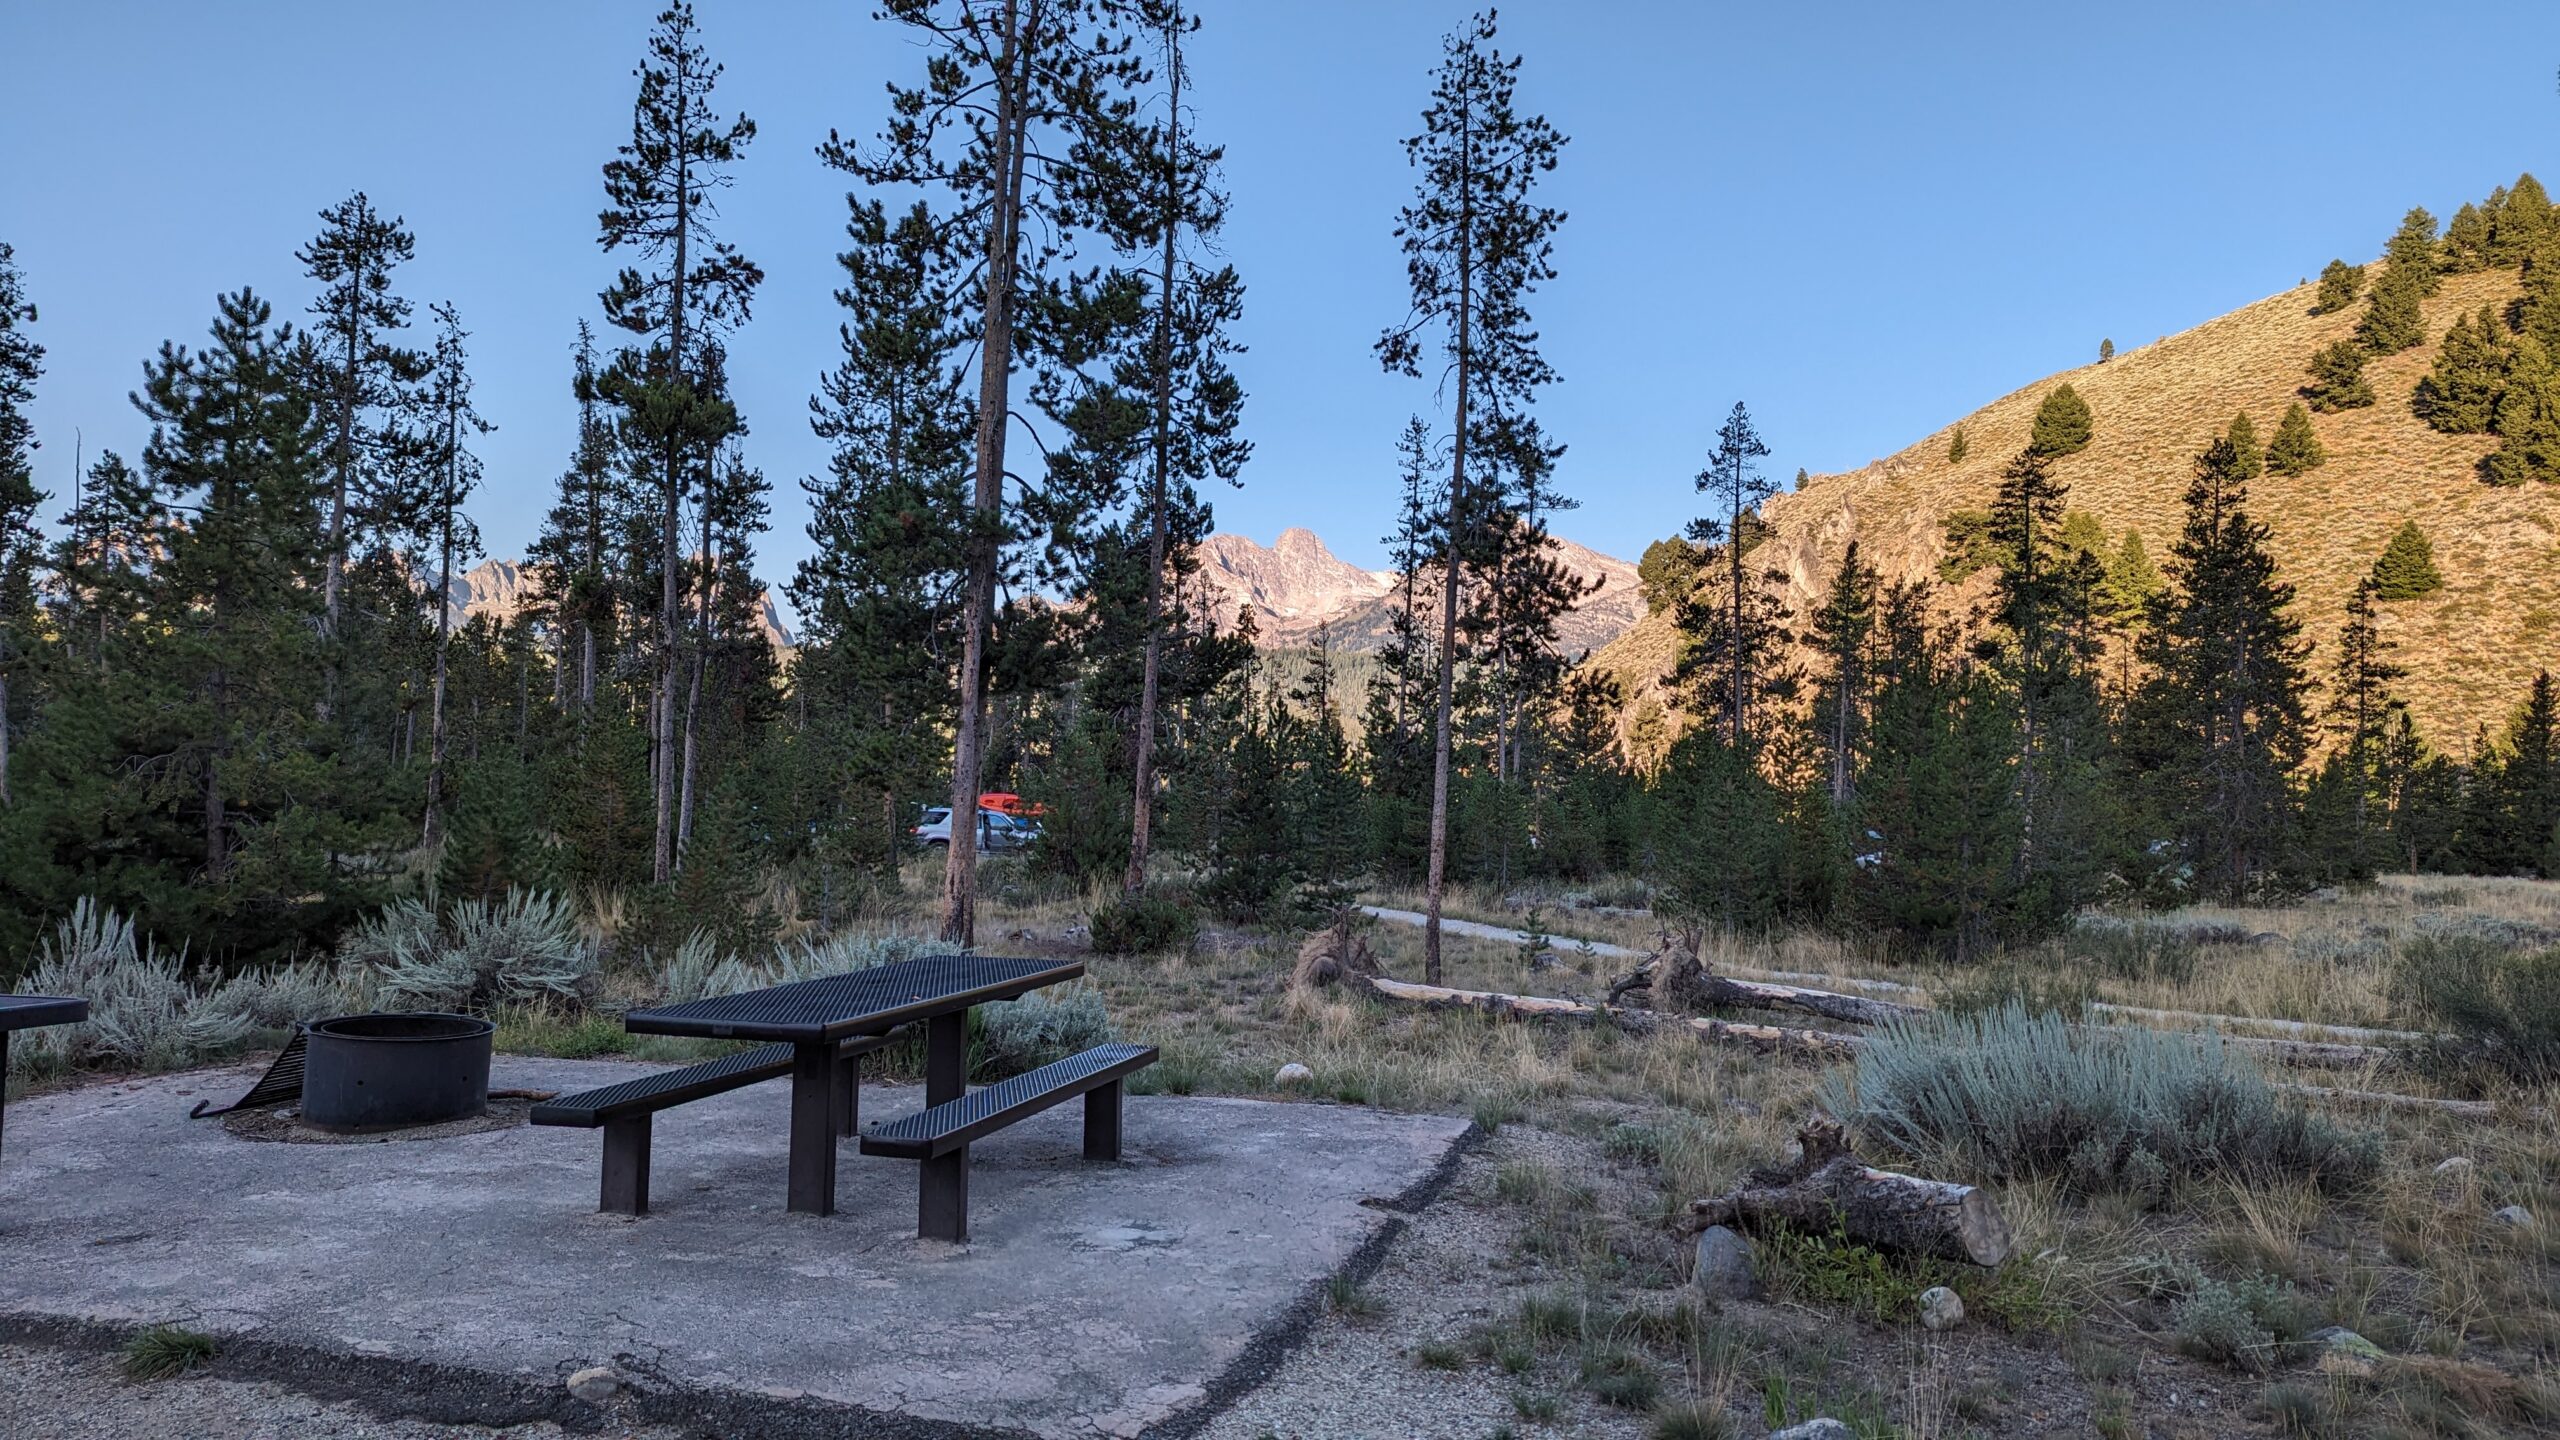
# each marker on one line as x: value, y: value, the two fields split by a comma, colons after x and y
x: 2469, y: 648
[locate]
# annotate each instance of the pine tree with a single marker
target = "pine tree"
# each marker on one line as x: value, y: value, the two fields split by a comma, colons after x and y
x: 495, y: 842
x: 1476, y: 248
x: 2459, y: 396
x: 2043, y: 663
x: 2295, y: 450
x: 888, y: 522
x: 2518, y: 222
x: 2249, y: 458
x: 2407, y: 568
x: 2219, y: 724
x: 1667, y: 572
x: 1016, y: 99
x: 449, y: 419
x: 2132, y: 580
x: 2528, y: 419
x: 2392, y: 320
x: 21, y: 362
x: 573, y: 554
x: 2063, y: 424
x: 365, y: 374
x: 2337, y: 379
x: 1957, y: 449
x: 2538, y: 313
x: 2340, y: 283
x: 2466, y: 240
x: 2414, y: 251
x: 1730, y: 637
x: 2361, y: 710
x: 1841, y: 633
x: 1195, y: 402
x: 2509, y: 826
x: 2106, y: 351
x: 658, y: 196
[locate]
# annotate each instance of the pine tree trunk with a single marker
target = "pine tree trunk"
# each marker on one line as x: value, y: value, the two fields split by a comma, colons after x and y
x: 434, y: 828
x: 986, y: 501
x: 663, y: 847
x: 1436, y: 880
x: 4, y: 736
x: 586, y: 667
x: 1142, y: 807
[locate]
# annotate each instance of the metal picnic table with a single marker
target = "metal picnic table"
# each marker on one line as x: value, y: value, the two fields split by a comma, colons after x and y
x: 26, y: 1012
x: 815, y: 1016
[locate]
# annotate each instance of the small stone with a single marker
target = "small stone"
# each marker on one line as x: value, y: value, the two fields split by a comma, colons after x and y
x: 1726, y: 1268
x: 1821, y: 1428
x: 1294, y: 1073
x: 2514, y: 1217
x: 595, y: 1384
x: 2454, y: 1167
x: 2344, y: 1352
x: 1941, y: 1308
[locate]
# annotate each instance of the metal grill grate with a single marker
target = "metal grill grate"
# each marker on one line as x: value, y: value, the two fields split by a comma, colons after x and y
x: 282, y: 1082
x: 835, y: 1005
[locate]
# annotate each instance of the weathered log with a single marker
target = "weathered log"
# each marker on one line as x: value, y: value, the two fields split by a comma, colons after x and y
x: 1682, y: 981
x: 2319, y: 1054
x: 1767, y: 1039
x: 2468, y: 1109
x: 1829, y: 1190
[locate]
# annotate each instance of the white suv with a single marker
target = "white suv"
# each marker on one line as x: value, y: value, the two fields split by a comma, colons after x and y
x: 996, y: 830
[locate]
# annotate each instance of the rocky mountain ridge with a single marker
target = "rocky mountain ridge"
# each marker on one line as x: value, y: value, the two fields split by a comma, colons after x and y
x: 1296, y: 585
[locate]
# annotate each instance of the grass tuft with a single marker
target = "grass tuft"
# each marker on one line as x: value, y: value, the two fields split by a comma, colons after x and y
x: 166, y: 1350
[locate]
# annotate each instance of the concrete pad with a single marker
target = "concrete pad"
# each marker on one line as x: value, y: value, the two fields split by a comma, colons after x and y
x: 1091, y: 1300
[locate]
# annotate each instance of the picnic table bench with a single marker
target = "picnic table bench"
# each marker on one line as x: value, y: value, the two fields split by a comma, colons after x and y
x: 816, y: 1031
x: 27, y: 1012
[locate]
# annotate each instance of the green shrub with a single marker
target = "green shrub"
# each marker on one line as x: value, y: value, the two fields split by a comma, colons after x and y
x: 2251, y: 1325
x: 1835, y: 1272
x: 2006, y: 1095
x: 1620, y: 1377
x: 146, y: 1012
x: 1147, y: 924
x: 480, y: 954
x: 1693, y: 1420
x: 1039, y: 1028
x: 165, y: 1350
x: 2504, y: 1003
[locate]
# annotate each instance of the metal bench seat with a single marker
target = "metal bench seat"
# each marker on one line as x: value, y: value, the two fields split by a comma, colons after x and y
x: 940, y: 1135
x: 622, y: 1110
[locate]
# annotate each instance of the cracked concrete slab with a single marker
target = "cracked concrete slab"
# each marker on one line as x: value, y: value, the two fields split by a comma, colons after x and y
x: 1091, y: 1300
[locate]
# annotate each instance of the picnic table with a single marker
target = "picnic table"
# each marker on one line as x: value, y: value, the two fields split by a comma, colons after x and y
x: 817, y: 1017
x: 26, y: 1012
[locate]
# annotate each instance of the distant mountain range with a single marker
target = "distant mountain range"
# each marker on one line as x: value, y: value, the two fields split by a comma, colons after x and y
x: 501, y: 589
x: 1295, y: 585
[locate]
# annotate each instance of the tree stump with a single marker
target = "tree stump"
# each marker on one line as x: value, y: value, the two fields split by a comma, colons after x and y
x: 1829, y: 1190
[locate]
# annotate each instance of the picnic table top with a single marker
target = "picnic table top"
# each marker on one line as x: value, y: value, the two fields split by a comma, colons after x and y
x: 858, y: 1002
x: 25, y: 1012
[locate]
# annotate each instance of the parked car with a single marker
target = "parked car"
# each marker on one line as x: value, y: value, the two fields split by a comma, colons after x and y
x: 997, y: 831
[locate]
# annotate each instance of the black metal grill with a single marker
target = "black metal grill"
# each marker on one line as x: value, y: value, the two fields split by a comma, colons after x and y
x: 834, y: 1006
x: 994, y: 1106
x: 282, y: 1082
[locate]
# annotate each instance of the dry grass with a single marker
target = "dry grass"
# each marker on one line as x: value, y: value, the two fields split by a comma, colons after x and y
x: 2469, y: 648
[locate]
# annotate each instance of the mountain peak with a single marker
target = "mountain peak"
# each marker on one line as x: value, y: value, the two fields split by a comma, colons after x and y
x: 1296, y: 584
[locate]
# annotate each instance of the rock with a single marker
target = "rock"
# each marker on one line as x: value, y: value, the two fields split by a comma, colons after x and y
x: 2514, y: 1217
x: 2344, y: 1352
x: 2456, y: 1167
x: 1294, y: 1073
x: 1822, y: 1428
x: 1941, y: 1308
x: 595, y: 1384
x: 1726, y: 1268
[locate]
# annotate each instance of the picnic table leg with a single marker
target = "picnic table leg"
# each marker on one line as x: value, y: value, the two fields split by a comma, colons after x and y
x: 813, y: 1129
x: 946, y: 1057
x: 848, y: 1095
x: 942, y: 1197
x: 4, y: 1073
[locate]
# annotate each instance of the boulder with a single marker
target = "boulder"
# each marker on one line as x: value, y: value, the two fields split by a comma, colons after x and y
x: 1941, y: 1308
x: 1725, y: 1269
x: 1820, y: 1428
x: 1293, y: 1073
x: 2514, y: 1217
x: 595, y: 1384
x: 2344, y: 1352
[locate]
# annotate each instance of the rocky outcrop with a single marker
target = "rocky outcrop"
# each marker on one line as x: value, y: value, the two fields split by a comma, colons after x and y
x: 1296, y: 584
x: 502, y: 589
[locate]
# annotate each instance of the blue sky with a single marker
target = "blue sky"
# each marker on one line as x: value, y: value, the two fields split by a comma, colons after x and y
x: 1863, y: 219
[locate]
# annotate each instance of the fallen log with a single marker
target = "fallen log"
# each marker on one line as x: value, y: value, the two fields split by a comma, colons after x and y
x: 1767, y: 1039
x: 1828, y: 1190
x: 2468, y: 1109
x: 1687, y: 983
x: 2182, y: 1019
x: 2315, y: 1054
